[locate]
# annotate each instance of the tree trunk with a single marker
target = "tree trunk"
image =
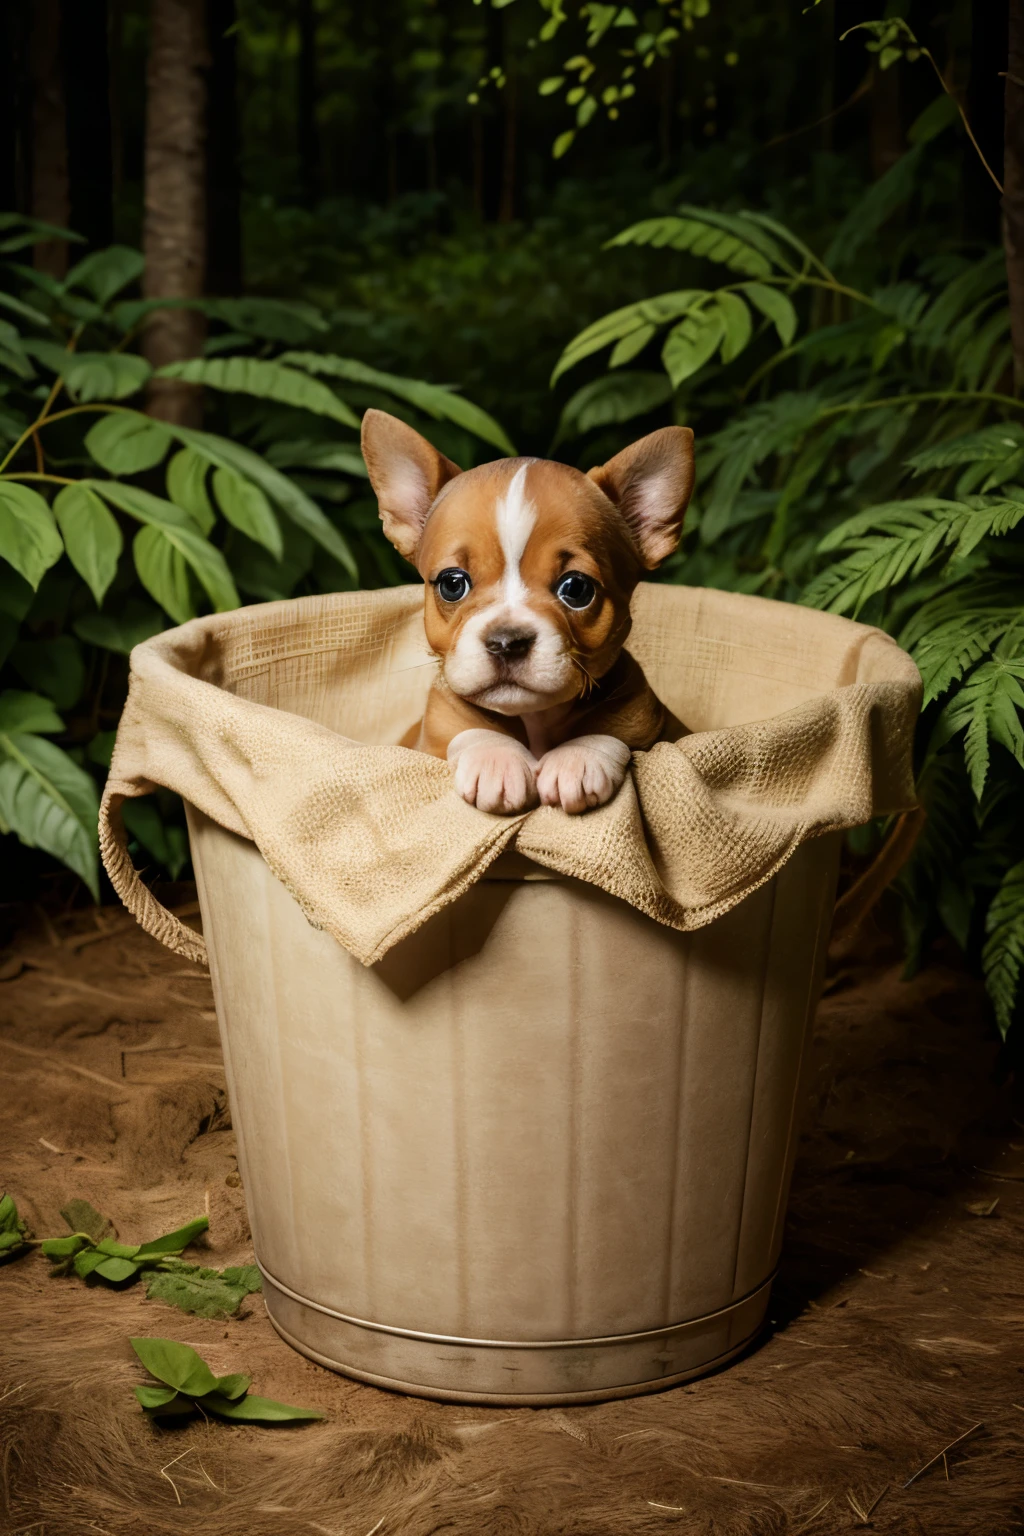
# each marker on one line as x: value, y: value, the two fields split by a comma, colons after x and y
x: 308, y: 134
x: 507, y: 204
x: 174, y: 233
x: 12, y: 78
x: 985, y: 112
x: 223, y: 171
x: 50, y: 195
x: 1013, y: 187
x: 85, y: 49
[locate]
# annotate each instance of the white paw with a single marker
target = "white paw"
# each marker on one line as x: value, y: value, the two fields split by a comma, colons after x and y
x: 495, y: 773
x: 582, y: 773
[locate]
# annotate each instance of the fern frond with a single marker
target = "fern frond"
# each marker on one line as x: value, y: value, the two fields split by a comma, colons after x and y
x: 621, y: 323
x: 988, y: 708
x: 733, y: 240
x: 1003, y: 956
x: 990, y: 445
x: 984, y: 280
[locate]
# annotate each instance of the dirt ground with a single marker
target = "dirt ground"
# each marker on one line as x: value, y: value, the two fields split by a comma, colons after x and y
x: 897, y: 1319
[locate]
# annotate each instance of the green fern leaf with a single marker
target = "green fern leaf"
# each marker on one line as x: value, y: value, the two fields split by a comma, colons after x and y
x: 988, y: 708
x: 660, y: 310
x: 990, y: 445
x: 1003, y: 956
x: 715, y: 237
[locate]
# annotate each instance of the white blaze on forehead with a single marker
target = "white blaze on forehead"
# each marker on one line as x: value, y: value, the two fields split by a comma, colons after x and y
x: 514, y: 516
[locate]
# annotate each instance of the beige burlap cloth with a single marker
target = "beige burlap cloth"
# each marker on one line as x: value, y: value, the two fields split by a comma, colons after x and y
x: 276, y: 722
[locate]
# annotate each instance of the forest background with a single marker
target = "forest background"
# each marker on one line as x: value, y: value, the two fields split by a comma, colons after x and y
x: 543, y: 226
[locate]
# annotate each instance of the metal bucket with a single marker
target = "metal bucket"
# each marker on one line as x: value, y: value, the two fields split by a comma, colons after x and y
x: 538, y: 1154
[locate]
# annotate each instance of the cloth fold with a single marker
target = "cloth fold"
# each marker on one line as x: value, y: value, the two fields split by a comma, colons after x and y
x: 275, y: 721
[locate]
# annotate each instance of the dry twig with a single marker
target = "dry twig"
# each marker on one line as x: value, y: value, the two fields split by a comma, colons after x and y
x: 941, y: 1455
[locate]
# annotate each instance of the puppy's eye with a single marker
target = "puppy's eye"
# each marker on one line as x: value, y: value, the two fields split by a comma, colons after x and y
x: 452, y: 585
x: 575, y: 590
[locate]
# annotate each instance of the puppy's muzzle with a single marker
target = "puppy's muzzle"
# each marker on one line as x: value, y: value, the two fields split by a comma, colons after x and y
x: 510, y: 644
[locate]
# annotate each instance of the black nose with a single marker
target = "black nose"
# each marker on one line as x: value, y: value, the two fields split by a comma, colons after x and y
x: 509, y: 644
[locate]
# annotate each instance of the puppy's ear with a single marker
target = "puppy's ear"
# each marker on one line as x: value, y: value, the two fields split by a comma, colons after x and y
x: 650, y: 482
x: 406, y: 473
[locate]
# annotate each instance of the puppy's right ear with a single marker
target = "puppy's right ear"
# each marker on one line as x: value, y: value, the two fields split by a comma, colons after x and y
x: 406, y: 473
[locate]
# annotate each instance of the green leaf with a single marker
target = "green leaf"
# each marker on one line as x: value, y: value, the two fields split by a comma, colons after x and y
x: 91, y: 537
x: 12, y: 1228
x: 631, y: 346
x: 171, y: 526
x: 103, y: 375
x: 256, y: 1410
x: 247, y: 509
x: 88, y: 1260
x: 28, y: 533
x: 63, y: 1247
x: 563, y: 143
x: 776, y: 307
x: 736, y: 323
x: 176, y: 1365
x: 728, y: 239
x: 991, y: 445
x: 894, y: 188
x: 50, y: 803
x: 174, y: 1242
x: 126, y: 442
x: 106, y: 272
x: 28, y: 713
x: 52, y: 667
x: 247, y: 1275
x: 110, y: 1246
x: 122, y: 631
x: 989, y: 705
x: 611, y: 399
x: 436, y: 400
x: 186, y: 487
x: 1003, y: 956
x: 195, y: 1289
x: 83, y: 1217
x: 691, y: 343
x: 620, y: 323
x: 163, y: 572
x: 233, y: 1387
x: 266, y: 380
x: 116, y: 1270
x: 153, y: 1398
x: 940, y: 113
x: 292, y: 501
x: 303, y: 453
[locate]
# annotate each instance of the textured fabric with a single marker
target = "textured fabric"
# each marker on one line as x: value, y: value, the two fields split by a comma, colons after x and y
x: 276, y: 722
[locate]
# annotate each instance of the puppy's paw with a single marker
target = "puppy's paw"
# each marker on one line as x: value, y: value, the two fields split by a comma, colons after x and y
x: 582, y: 773
x: 495, y: 773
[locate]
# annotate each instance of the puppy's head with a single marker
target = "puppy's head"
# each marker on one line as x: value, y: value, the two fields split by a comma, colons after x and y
x: 529, y: 565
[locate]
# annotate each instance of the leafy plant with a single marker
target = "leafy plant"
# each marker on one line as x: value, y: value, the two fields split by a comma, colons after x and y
x: 858, y: 451
x: 188, y: 1386
x: 113, y: 523
x: 12, y: 1228
x: 93, y: 1253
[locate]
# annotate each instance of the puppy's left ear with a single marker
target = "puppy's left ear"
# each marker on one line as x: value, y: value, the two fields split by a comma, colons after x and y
x: 650, y: 482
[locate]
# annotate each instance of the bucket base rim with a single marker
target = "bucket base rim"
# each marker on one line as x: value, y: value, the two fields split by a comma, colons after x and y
x: 631, y: 1366
x: 514, y: 1399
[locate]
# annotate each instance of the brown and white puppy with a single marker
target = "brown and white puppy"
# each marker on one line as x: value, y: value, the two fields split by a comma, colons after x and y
x: 530, y: 566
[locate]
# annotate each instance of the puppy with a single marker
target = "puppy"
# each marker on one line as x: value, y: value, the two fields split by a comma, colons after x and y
x: 529, y: 568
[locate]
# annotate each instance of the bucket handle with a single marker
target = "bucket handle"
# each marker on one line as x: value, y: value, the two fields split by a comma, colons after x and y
x: 137, y: 897
x: 853, y: 907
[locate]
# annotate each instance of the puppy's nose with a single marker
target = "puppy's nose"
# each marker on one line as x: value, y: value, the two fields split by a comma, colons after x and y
x: 510, y: 644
